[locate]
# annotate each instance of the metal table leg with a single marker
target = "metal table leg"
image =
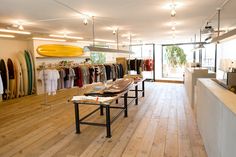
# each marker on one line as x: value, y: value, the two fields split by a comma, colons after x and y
x: 108, y: 121
x: 136, y: 95
x: 77, y: 121
x: 125, y: 105
x: 101, y: 110
x: 143, y: 88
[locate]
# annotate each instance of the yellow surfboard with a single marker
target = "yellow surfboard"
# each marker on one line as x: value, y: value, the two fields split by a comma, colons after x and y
x: 56, y: 50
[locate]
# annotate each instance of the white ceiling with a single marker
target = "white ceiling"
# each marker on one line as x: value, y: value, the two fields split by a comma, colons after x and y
x: 147, y: 19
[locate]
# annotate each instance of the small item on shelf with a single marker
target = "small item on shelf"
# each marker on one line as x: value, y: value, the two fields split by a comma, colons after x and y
x: 135, y: 77
x: 89, y: 99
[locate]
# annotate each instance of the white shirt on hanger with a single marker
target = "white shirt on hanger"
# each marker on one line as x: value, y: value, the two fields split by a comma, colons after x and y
x: 50, y: 76
x: 55, y: 76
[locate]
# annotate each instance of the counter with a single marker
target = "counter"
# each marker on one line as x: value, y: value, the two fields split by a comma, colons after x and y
x: 190, y: 80
x: 216, y: 118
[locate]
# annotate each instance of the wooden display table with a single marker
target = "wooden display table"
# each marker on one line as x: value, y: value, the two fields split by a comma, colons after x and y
x: 107, y: 103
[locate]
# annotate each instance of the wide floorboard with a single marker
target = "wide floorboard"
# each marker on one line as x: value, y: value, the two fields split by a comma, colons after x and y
x: 162, y: 125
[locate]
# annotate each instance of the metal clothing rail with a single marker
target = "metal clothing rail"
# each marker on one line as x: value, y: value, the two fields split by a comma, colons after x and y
x: 107, y: 106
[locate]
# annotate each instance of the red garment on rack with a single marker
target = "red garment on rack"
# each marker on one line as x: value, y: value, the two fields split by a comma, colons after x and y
x: 78, y: 77
x: 148, y: 64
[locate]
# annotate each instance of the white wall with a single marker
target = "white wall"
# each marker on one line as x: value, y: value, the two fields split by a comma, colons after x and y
x: 226, y: 50
x: 10, y: 47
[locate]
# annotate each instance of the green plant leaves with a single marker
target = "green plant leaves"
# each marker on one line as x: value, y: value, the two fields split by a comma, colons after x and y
x: 175, y: 55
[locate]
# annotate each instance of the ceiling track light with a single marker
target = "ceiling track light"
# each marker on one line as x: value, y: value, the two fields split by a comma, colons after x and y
x: 173, y: 28
x: 105, y: 40
x: 21, y: 27
x: 18, y: 26
x: 85, y: 42
x: 6, y: 36
x: 14, y: 31
x: 48, y: 39
x: 85, y: 20
x: 173, y: 12
x: 65, y: 36
x: 173, y: 9
x: 114, y: 32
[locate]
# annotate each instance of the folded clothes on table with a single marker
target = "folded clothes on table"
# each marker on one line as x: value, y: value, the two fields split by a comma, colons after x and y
x: 92, y: 98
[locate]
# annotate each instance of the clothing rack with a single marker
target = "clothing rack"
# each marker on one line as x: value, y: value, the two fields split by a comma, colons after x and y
x: 72, y: 65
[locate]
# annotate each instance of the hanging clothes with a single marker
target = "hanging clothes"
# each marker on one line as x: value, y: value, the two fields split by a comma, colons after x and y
x: 96, y: 74
x: 62, y: 75
x: 132, y: 64
x: 139, y: 66
x: 103, y: 76
x: 72, y: 77
x: 1, y: 85
x: 117, y: 71
x: 108, y: 71
x: 91, y: 74
x: 78, y: 77
x: 121, y: 71
x: 123, y: 62
x: 69, y: 78
x: 114, y: 71
x: 148, y: 64
x: 85, y: 73
x: 55, y: 77
x: 50, y: 76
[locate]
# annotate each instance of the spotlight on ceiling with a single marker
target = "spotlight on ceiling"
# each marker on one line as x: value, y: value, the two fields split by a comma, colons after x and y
x: 105, y: 40
x: 173, y: 28
x: 21, y: 27
x: 85, y: 20
x: 173, y: 10
x: 48, y: 39
x: 173, y: 13
x: 114, y: 32
x: 18, y: 25
x: 65, y: 36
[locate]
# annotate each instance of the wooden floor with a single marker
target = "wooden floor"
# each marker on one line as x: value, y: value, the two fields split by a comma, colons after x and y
x: 162, y: 125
